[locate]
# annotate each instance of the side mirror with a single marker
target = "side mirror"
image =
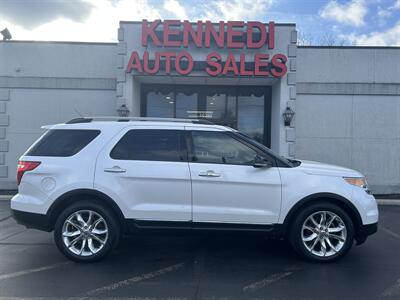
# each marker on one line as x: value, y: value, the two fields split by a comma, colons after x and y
x: 260, y: 162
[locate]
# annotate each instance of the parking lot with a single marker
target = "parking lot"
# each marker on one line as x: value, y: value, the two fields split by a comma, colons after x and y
x: 198, y: 267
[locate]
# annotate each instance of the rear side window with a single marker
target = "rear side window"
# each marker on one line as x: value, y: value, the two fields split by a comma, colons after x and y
x: 62, y: 142
x: 148, y: 144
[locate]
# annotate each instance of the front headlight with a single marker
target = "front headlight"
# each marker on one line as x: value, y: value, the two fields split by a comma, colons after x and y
x: 357, y: 181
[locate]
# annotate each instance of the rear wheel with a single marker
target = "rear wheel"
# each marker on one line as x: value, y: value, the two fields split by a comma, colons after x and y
x: 86, y: 232
x: 322, y: 232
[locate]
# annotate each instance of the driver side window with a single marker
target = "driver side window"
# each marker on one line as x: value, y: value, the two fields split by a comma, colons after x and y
x: 219, y: 148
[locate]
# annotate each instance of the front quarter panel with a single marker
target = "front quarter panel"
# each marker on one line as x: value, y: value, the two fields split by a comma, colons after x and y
x: 297, y: 185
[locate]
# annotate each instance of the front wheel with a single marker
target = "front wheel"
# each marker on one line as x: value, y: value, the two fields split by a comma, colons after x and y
x: 322, y: 232
x: 86, y: 232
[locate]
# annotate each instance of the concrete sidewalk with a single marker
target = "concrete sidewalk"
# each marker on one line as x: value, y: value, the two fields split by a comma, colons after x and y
x: 380, y: 201
x: 388, y: 201
x: 6, y: 197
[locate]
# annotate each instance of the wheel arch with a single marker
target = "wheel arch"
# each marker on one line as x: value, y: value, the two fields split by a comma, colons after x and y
x: 74, y: 196
x: 338, y: 200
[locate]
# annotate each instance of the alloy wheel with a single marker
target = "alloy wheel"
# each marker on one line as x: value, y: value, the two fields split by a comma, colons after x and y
x: 85, y: 232
x: 324, y: 233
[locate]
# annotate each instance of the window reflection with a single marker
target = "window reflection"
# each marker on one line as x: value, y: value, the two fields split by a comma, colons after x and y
x: 251, y: 116
x: 160, y: 105
x: 215, y: 104
x: 221, y: 109
x: 239, y: 107
x: 186, y: 104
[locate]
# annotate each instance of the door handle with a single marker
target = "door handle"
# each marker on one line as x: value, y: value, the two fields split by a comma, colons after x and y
x: 209, y: 173
x: 115, y: 169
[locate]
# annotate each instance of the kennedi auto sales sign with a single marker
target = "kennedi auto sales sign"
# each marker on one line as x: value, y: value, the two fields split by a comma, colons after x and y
x: 228, y: 35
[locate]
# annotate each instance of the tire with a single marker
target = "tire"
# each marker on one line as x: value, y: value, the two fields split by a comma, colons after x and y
x: 82, y: 239
x: 325, y: 243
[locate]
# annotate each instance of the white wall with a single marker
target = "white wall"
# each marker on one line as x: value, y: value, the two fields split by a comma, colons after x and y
x: 57, y: 59
x: 46, y: 83
x: 348, y: 111
x: 350, y: 65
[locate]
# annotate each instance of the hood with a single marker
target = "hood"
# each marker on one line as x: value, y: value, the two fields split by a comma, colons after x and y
x: 317, y: 168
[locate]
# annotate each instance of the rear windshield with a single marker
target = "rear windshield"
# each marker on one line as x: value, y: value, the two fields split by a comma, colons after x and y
x: 62, y: 142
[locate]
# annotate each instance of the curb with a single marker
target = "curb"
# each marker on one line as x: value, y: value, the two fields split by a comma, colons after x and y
x: 395, y: 202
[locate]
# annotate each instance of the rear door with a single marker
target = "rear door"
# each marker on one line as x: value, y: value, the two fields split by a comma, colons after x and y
x: 146, y: 169
x: 226, y: 188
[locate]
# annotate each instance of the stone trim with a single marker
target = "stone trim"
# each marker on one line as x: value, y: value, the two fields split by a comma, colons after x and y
x: 4, y: 94
x: 121, y: 73
x: 4, y: 146
x: 120, y: 89
x: 290, y: 135
x: 290, y: 132
x: 292, y: 105
x: 291, y: 78
x: 121, y: 34
x: 121, y: 76
x: 2, y: 133
x: 292, y: 63
x: 292, y: 92
x: 55, y: 83
x: 292, y: 50
x: 3, y: 171
x: 3, y: 106
x: 348, y: 88
x: 4, y: 123
x: 292, y: 149
x: 121, y: 48
x: 293, y: 37
x: 4, y: 120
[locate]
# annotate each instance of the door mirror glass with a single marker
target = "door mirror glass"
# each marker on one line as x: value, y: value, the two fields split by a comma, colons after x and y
x: 261, y: 162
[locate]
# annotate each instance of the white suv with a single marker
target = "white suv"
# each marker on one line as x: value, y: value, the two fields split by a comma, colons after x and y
x: 93, y: 180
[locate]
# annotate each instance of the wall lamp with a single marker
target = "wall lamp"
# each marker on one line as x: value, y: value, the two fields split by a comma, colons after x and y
x: 288, y: 115
x: 6, y: 34
x: 123, y: 111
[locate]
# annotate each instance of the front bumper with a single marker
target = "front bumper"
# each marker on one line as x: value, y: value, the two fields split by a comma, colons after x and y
x: 32, y: 220
x: 364, y: 231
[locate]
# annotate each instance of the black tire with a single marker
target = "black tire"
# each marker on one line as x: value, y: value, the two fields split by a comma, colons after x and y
x: 110, y: 225
x: 296, y: 231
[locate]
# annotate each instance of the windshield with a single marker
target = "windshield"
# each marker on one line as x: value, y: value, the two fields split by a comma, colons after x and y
x: 290, y: 162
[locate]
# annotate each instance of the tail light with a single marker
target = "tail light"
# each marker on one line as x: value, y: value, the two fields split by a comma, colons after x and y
x: 24, y: 166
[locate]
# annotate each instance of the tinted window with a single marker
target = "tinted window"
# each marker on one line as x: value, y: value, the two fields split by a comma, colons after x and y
x: 62, y: 142
x: 220, y: 148
x: 157, y: 145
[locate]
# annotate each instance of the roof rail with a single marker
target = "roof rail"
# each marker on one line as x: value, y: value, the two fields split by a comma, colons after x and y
x: 127, y: 119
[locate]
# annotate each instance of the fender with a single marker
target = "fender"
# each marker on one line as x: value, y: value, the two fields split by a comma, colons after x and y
x: 60, y: 203
x: 337, y: 199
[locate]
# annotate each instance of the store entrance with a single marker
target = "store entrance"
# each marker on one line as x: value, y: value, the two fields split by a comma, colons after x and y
x: 246, y: 108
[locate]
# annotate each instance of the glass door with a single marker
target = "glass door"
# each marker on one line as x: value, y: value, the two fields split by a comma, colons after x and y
x: 246, y: 108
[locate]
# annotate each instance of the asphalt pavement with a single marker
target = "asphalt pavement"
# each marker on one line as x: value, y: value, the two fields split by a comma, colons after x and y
x: 198, y: 267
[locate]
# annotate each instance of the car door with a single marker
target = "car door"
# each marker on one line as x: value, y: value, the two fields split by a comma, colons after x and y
x: 146, y: 169
x: 226, y: 187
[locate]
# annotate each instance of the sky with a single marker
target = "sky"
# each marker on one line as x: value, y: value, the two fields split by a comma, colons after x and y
x: 319, y: 22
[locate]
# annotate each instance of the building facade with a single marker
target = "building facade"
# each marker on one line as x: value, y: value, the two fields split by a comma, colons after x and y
x: 346, y: 100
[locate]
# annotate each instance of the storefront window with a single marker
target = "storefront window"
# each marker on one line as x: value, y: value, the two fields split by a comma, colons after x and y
x: 186, y: 104
x: 251, y: 116
x: 246, y: 108
x: 160, y: 105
